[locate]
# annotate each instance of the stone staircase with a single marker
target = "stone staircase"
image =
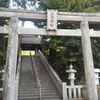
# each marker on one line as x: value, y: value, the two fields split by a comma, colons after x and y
x: 27, y: 85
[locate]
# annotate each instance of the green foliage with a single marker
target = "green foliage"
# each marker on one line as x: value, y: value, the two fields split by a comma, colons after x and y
x: 2, y: 44
x: 4, y: 3
x: 71, y: 5
x: 96, y: 51
x: 62, y: 51
x: 52, y: 4
x: 2, y: 51
x: 61, y: 5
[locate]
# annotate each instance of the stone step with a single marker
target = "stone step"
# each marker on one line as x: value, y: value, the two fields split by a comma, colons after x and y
x: 36, y: 97
x: 36, y: 93
x: 43, y: 89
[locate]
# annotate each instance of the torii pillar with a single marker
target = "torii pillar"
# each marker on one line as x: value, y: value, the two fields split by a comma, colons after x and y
x: 88, y: 62
x: 10, y: 69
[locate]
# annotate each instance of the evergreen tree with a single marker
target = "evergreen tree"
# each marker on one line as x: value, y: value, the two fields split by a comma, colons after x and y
x: 65, y: 50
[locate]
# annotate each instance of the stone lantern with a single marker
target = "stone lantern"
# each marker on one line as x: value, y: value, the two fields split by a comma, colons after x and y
x: 71, y: 73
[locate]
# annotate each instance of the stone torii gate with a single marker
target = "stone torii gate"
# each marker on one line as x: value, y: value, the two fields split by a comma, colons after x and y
x: 52, y: 17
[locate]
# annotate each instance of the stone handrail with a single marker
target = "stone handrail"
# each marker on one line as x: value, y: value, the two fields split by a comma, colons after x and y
x: 17, y: 77
x: 58, y: 83
x: 36, y: 75
x: 77, y: 92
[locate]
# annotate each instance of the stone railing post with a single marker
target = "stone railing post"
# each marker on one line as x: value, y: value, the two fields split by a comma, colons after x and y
x: 65, y: 91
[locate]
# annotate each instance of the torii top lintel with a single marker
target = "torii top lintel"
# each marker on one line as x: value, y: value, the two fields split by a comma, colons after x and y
x: 42, y: 15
